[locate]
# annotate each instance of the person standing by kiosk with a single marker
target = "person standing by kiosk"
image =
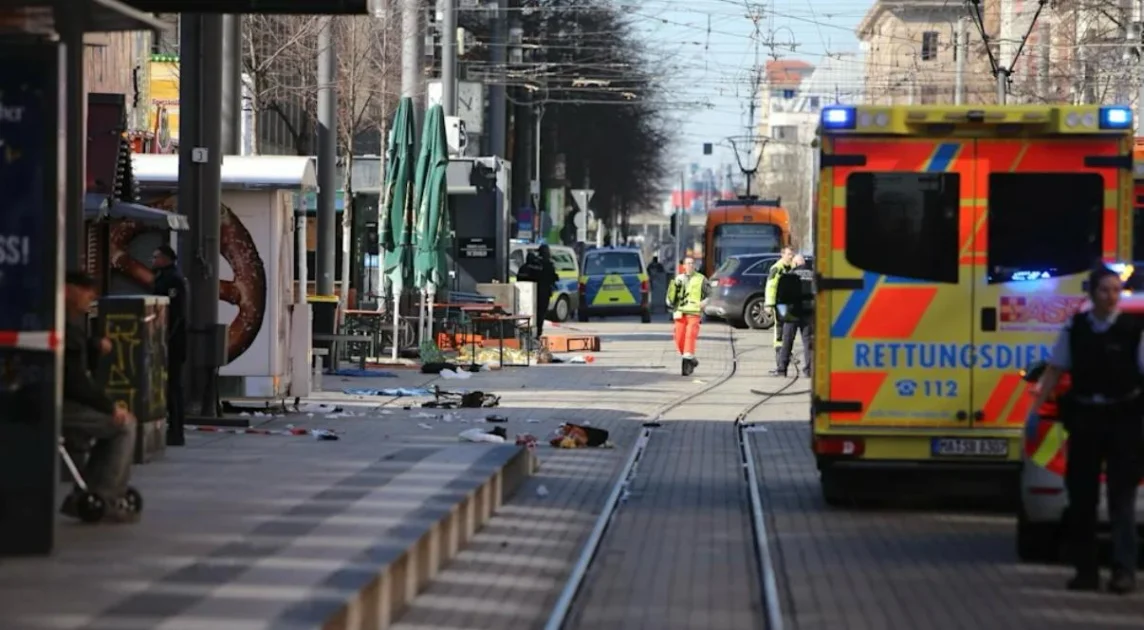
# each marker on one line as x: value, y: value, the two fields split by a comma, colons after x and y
x: 171, y: 284
x: 1104, y: 355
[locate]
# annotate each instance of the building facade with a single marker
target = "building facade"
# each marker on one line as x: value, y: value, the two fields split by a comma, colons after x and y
x: 910, y: 56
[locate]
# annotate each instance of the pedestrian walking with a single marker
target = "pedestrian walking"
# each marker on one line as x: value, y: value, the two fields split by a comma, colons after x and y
x: 171, y: 284
x: 794, y: 308
x: 686, y: 297
x: 781, y: 266
x: 1104, y: 356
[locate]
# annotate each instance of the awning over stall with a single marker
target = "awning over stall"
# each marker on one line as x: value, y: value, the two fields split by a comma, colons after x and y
x: 97, y: 206
x: 102, y: 16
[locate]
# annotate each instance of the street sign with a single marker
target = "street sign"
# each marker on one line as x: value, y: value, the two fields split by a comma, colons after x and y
x: 582, y: 197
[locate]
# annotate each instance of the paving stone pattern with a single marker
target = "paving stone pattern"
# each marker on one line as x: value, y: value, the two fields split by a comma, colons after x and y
x: 886, y: 569
x: 679, y: 553
x: 223, y: 502
x: 511, y: 575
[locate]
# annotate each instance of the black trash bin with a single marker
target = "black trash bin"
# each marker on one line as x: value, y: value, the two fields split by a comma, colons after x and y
x: 135, y: 372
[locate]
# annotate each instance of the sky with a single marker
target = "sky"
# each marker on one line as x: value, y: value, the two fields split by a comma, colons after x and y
x: 706, y: 52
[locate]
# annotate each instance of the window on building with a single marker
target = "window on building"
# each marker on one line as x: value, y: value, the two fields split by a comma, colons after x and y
x: 1043, y: 224
x: 929, y: 95
x: 785, y: 132
x: 929, y: 45
x: 815, y: 103
x: 904, y: 224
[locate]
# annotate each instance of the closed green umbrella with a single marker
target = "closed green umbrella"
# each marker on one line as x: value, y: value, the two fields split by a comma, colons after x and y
x: 432, y: 228
x: 395, y: 226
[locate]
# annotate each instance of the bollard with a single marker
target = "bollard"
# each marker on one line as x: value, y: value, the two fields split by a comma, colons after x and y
x: 316, y: 385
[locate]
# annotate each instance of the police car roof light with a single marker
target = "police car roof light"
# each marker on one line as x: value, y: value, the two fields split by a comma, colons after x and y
x: 839, y: 118
x: 1115, y: 117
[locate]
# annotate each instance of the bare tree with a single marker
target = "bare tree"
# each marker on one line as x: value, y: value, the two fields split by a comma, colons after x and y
x: 368, y: 58
x: 278, y: 60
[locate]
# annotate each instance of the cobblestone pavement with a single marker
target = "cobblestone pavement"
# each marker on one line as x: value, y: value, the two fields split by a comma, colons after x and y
x: 224, y: 541
x: 937, y: 567
x: 679, y: 553
x: 511, y: 575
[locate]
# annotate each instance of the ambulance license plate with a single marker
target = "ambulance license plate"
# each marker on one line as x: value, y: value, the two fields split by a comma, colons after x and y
x: 971, y: 447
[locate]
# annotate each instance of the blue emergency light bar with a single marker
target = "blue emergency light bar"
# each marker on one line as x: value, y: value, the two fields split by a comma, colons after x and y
x: 839, y: 117
x: 1115, y: 117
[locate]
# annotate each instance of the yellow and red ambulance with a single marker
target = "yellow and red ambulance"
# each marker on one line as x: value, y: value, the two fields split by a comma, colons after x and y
x: 1138, y: 197
x: 952, y: 243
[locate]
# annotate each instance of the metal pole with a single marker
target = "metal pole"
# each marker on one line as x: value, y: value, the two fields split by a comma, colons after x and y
x: 960, y: 49
x: 679, y: 222
x: 412, y: 58
x: 811, y: 209
x: 449, y: 58
x: 1006, y: 49
x: 232, y: 85
x: 327, y: 158
x: 497, y: 100
x: 537, y: 186
x: 1138, y: 16
x: 200, y: 170
x: 913, y: 86
x: 75, y: 174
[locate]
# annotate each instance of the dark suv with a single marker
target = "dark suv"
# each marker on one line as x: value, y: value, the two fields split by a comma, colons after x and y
x: 737, y: 290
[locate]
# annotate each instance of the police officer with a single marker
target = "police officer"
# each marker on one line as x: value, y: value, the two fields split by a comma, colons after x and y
x: 539, y: 268
x: 170, y: 283
x: 1104, y: 355
x: 781, y: 266
x: 795, y: 312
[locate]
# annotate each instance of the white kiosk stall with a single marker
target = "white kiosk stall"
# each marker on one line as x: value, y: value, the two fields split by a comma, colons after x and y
x: 256, y: 293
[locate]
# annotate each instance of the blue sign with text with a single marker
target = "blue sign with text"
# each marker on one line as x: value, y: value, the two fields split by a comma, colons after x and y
x: 26, y: 209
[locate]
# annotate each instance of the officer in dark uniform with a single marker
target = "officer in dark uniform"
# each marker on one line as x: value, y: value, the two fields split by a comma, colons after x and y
x: 1104, y: 355
x: 170, y: 283
x: 794, y: 312
x: 539, y: 268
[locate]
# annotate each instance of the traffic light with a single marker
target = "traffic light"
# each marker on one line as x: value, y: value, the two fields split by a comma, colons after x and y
x: 282, y: 7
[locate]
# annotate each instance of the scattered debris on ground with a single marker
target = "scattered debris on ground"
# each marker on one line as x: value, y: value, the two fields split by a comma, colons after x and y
x: 446, y: 399
x: 492, y: 436
x: 361, y: 373
x: 570, y: 435
x: 325, y: 435
x: 393, y: 392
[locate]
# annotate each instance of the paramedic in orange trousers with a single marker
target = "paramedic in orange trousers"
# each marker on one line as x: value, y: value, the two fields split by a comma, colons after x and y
x: 1104, y: 355
x: 686, y: 297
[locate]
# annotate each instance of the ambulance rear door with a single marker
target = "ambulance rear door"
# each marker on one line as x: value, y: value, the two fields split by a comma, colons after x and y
x: 1138, y: 205
x: 1046, y: 210
x: 897, y: 319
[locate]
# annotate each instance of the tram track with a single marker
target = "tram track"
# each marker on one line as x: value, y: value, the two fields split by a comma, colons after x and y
x: 772, y: 617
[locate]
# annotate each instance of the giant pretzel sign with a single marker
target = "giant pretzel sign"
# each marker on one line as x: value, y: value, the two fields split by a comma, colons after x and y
x: 247, y: 291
